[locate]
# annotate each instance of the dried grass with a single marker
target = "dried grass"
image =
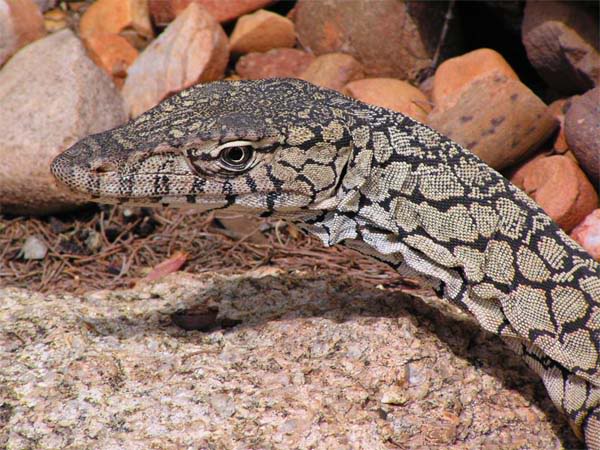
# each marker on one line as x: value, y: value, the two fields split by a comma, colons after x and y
x: 112, y: 247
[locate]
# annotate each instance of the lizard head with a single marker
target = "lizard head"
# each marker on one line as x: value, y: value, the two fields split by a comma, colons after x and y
x: 274, y: 146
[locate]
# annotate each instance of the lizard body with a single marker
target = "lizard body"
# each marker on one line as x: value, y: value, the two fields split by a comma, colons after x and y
x: 381, y: 183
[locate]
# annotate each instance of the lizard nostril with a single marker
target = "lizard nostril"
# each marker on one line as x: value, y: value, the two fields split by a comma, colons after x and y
x: 102, y: 167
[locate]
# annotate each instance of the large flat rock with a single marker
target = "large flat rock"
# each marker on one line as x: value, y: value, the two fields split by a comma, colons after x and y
x: 316, y: 362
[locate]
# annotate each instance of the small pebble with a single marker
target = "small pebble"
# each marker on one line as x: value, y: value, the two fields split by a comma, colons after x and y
x: 34, y: 248
x: 394, y: 396
x: 94, y: 241
x: 587, y: 234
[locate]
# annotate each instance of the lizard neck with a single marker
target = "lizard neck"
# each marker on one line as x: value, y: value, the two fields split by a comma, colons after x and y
x: 363, y: 202
x: 365, y: 212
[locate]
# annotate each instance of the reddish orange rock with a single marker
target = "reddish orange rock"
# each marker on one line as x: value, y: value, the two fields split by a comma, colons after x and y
x: 113, y: 53
x: 280, y: 62
x: 560, y: 187
x: 192, y: 49
x: 587, y: 234
x: 390, y: 93
x: 455, y: 74
x: 164, y: 11
x: 262, y: 31
x: 333, y: 71
x: 130, y: 18
x: 558, y: 109
x: 496, y: 117
x: 391, y: 38
x: 20, y: 23
x: 582, y: 131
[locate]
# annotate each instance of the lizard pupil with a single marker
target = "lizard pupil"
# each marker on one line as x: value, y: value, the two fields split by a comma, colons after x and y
x: 236, y: 156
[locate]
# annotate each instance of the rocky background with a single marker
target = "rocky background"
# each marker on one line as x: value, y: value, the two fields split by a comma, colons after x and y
x: 513, y: 81
x: 516, y: 82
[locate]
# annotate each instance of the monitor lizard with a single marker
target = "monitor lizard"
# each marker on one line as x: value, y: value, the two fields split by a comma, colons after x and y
x: 381, y: 183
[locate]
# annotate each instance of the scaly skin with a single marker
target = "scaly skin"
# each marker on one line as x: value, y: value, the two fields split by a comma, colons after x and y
x: 378, y: 182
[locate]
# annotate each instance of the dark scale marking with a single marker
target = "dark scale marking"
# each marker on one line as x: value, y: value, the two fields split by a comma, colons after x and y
x: 251, y: 183
x: 498, y: 120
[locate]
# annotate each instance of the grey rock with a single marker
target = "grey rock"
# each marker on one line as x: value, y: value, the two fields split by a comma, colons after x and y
x: 34, y: 248
x: 21, y: 22
x: 110, y: 370
x: 51, y: 95
x: 562, y: 42
x: 45, y: 5
x: 192, y: 49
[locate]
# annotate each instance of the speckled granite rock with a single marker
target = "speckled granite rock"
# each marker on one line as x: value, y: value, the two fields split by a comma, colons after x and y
x: 316, y: 363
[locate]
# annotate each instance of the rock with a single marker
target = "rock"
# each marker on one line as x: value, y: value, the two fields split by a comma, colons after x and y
x: 394, y: 396
x: 113, y: 53
x: 497, y: 118
x: 277, y: 63
x: 561, y: 40
x: 59, y: 102
x: 20, y: 23
x: 56, y: 20
x: 129, y: 18
x: 192, y: 49
x: 393, y: 94
x: 34, y: 248
x: 262, y: 31
x: 582, y: 132
x: 45, y: 5
x: 165, y: 11
x: 426, y: 86
x: 308, y: 368
x: 388, y: 37
x: 455, y: 74
x: 333, y: 71
x: 559, y: 186
x: 587, y: 234
x: 558, y: 108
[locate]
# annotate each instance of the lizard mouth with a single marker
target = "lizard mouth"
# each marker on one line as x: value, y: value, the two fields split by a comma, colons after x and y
x: 117, y: 178
x: 103, y: 182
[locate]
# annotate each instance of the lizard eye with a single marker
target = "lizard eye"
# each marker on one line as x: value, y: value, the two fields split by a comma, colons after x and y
x: 237, y: 155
